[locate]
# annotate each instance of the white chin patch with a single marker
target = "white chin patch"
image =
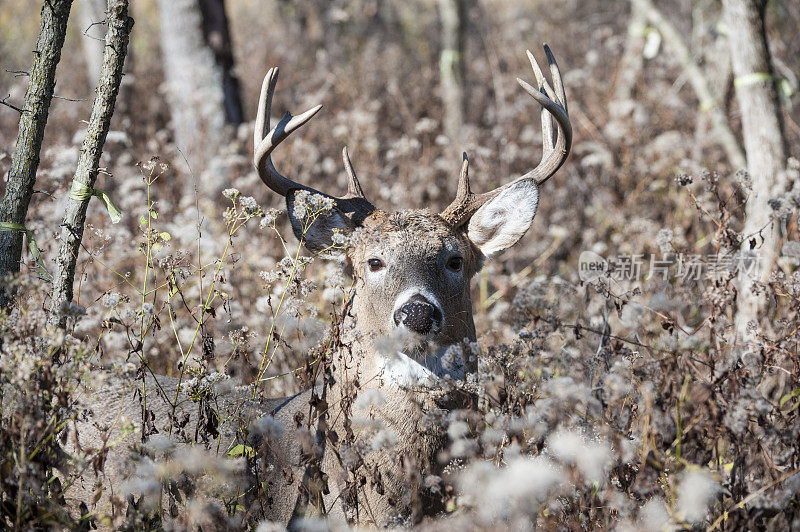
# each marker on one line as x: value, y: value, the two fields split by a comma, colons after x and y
x: 403, y: 370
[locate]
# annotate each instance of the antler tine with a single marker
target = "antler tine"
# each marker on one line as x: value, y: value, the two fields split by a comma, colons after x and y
x: 353, y: 186
x: 264, y: 106
x: 265, y: 140
x: 547, y: 123
x: 463, y: 191
x: 555, y: 72
x: 552, y: 161
x: 554, y: 105
x: 464, y: 196
x: 264, y: 143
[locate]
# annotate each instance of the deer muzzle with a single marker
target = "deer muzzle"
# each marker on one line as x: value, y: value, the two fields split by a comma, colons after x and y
x: 420, y: 315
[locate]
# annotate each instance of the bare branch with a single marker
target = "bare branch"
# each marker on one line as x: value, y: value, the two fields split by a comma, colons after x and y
x: 14, y: 107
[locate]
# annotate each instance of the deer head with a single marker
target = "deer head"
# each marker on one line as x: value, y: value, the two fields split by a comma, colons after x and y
x: 413, y: 268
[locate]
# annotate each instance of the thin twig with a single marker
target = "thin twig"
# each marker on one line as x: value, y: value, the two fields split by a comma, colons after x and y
x: 14, y: 107
x: 69, y: 99
x: 90, y: 26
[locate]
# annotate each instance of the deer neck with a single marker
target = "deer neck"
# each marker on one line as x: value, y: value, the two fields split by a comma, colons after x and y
x: 394, y: 429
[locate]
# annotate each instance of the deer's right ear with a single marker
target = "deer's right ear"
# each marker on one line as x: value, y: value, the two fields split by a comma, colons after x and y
x: 314, y: 224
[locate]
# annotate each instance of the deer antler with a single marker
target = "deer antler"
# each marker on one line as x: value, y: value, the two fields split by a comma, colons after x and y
x: 553, y: 155
x: 265, y: 140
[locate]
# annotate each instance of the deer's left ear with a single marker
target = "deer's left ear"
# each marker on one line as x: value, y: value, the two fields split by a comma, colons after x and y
x: 501, y: 222
x: 313, y: 225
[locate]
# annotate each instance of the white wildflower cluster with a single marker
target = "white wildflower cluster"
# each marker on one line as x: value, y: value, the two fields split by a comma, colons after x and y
x: 591, y: 458
x: 654, y: 516
x: 335, y: 282
x: 696, y: 493
x: 517, y: 489
x: 268, y: 427
x: 250, y: 205
x: 403, y: 147
x: 463, y: 445
x: 270, y: 526
x: 310, y: 330
x: 339, y: 239
x: 452, y: 360
x: 368, y: 399
x: 368, y: 422
x: 111, y: 300
x: 269, y: 218
x: 231, y: 193
x: 160, y: 443
x: 201, y: 382
x: 384, y: 439
x: 269, y: 276
x: 153, y: 167
x: 664, y: 240
x: 350, y: 456
x: 195, y: 462
x: 289, y: 268
x: 394, y: 342
x: 308, y: 205
x: 426, y: 125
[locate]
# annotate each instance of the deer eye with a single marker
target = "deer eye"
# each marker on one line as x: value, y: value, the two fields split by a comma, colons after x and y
x: 455, y: 264
x: 375, y: 265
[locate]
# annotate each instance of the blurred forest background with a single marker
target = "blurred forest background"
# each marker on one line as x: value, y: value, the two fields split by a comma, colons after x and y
x: 657, y: 168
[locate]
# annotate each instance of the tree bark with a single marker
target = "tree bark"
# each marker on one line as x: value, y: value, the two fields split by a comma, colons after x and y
x: 716, y: 64
x: 631, y: 63
x: 119, y: 26
x: 193, y: 83
x: 25, y: 159
x: 217, y: 36
x: 451, y: 66
x: 764, y: 142
x: 698, y: 81
x: 93, y: 29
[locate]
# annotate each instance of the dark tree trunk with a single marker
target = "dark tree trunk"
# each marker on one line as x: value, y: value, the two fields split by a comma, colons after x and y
x: 764, y: 141
x: 119, y: 26
x: 217, y: 36
x: 25, y: 159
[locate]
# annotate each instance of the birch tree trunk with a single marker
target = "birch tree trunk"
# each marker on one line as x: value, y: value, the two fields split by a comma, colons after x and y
x: 93, y: 29
x: 25, y: 159
x: 631, y: 63
x: 451, y: 66
x: 716, y: 64
x: 764, y: 142
x: 119, y: 26
x: 193, y: 84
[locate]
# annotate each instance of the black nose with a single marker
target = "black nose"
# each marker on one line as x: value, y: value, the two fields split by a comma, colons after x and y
x: 419, y: 315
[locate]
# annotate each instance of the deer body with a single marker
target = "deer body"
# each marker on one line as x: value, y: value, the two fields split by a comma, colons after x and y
x: 403, y: 338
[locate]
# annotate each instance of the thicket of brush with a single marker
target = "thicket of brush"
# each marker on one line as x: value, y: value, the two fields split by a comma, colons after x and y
x: 610, y: 403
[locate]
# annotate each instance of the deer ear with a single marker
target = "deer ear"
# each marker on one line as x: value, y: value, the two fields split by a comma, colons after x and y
x: 501, y: 222
x: 314, y: 225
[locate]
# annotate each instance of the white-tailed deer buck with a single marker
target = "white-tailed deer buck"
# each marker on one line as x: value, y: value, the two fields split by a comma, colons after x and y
x: 365, y: 462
